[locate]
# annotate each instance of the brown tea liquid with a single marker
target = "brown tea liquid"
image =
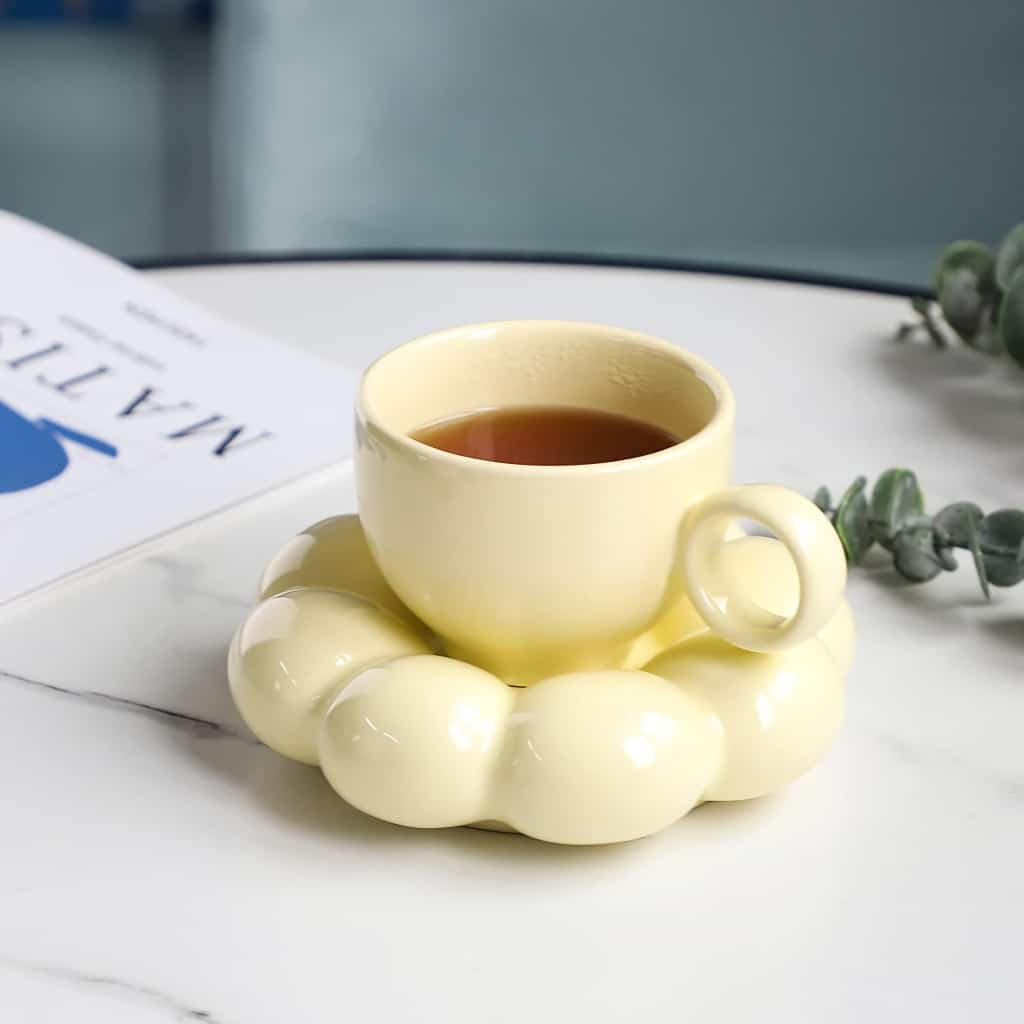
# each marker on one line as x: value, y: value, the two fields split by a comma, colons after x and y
x: 545, y: 436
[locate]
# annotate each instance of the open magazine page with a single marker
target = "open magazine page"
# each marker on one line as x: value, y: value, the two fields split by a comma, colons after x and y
x: 126, y: 411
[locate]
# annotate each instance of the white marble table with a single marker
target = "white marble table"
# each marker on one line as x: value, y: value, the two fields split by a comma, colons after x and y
x: 159, y: 865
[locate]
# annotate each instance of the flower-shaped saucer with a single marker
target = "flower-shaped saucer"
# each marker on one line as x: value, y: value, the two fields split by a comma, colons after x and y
x: 331, y: 669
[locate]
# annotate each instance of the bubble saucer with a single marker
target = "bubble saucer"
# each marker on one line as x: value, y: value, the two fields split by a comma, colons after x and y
x: 331, y: 669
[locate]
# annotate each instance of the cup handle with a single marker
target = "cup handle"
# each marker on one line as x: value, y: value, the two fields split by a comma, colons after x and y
x: 721, y: 601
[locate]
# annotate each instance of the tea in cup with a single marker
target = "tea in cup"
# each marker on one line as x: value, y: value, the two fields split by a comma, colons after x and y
x: 542, y: 493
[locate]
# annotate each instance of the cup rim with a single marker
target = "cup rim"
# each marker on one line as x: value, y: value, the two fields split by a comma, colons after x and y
x: 721, y: 420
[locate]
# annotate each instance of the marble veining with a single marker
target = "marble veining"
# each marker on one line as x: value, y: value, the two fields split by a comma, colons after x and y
x: 200, y: 727
x: 183, y: 582
x: 117, y: 988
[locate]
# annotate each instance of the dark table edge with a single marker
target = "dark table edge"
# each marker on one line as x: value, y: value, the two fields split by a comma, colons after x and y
x: 543, y: 258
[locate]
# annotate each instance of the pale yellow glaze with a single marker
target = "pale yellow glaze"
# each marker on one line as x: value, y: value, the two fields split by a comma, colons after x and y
x: 332, y: 554
x: 770, y: 580
x: 598, y: 757
x: 533, y: 570
x: 563, y: 581
x: 393, y: 721
x: 296, y: 650
x: 722, y: 597
x: 778, y: 711
x: 588, y: 757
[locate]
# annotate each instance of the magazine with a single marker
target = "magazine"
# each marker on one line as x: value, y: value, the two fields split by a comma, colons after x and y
x: 126, y: 411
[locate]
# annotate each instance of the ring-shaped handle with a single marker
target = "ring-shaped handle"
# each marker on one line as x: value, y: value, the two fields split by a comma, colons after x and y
x: 721, y: 599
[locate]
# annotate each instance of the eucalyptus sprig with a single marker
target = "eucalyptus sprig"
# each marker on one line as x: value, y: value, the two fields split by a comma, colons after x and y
x: 979, y: 298
x: 922, y: 545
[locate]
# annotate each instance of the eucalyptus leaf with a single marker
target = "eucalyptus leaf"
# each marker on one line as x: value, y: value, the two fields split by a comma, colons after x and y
x: 1011, y: 317
x: 987, y: 338
x: 913, y: 521
x: 1003, y: 570
x: 914, y: 555
x: 852, y: 522
x: 1002, y: 540
x: 946, y: 558
x: 966, y: 287
x: 1010, y: 257
x: 895, y: 498
x: 922, y: 546
x: 954, y: 521
x: 1002, y: 532
x: 967, y: 255
x: 962, y: 303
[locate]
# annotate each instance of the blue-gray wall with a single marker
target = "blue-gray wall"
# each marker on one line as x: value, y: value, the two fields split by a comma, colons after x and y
x: 103, y: 133
x: 863, y: 134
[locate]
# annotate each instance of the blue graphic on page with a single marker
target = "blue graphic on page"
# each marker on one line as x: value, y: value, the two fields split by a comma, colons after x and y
x: 32, y: 452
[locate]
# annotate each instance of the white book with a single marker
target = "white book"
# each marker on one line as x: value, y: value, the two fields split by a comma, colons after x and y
x: 126, y: 411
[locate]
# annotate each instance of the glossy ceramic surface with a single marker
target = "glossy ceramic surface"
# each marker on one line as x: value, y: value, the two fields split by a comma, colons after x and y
x: 324, y: 674
x: 533, y: 570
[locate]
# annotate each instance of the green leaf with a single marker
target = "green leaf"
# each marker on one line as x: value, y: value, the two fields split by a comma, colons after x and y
x: 823, y: 499
x: 1011, y: 317
x: 987, y: 337
x: 954, y: 521
x: 967, y: 255
x: 1002, y: 532
x: 1002, y: 543
x: 914, y: 554
x: 852, y: 522
x: 961, y: 303
x: 896, y: 497
x: 1003, y: 570
x: 966, y: 287
x: 1010, y: 257
x: 912, y: 521
x: 946, y: 557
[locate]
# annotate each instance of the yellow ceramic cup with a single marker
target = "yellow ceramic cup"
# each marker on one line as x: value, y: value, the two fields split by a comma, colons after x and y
x: 532, y: 570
